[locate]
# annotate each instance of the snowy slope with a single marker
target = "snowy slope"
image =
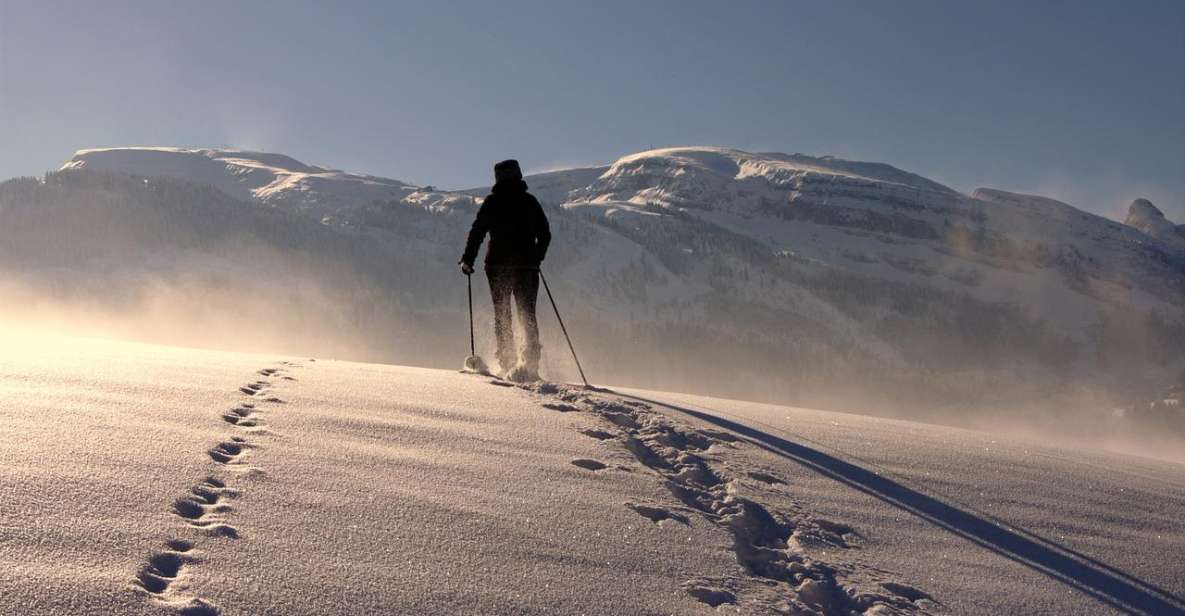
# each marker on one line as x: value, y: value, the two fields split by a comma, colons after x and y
x: 156, y: 480
x: 893, y: 225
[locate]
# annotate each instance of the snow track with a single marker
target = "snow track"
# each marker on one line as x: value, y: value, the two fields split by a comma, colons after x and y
x: 413, y: 491
x: 773, y: 547
x: 1109, y: 585
x: 205, y: 507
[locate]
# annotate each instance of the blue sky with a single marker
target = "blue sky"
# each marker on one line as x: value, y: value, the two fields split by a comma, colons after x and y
x: 1082, y: 101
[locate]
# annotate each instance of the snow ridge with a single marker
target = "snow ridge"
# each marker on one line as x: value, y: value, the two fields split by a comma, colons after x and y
x: 273, y: 179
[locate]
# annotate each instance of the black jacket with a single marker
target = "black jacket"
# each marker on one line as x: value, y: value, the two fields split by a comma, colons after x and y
x: 519, y: 233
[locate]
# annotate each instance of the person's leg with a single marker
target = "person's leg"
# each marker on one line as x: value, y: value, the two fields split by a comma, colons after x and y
x: 501, y: 290
x: 526, y: 291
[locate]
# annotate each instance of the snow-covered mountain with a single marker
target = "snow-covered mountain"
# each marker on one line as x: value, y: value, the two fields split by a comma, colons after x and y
x: 1149, y: 219
x: 795, y: 272
x: 273, y: 179
x: 794, y: 217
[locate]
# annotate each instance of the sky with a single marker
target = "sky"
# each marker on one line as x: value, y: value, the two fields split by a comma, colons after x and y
x: 1082, y: 101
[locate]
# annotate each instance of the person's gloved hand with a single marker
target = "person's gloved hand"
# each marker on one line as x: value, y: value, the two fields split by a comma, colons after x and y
x: 466, y: 268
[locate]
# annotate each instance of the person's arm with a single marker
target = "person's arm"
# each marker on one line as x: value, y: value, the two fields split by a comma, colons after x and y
x: 542, y: 233
x: 477, y: 234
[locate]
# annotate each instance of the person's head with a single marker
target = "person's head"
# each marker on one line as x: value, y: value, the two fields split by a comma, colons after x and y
x: 507, y: 171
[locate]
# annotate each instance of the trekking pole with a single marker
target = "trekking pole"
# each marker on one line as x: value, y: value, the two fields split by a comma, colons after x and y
x: 562, y: 328
x: 473, y: 363
x: 472, y: 346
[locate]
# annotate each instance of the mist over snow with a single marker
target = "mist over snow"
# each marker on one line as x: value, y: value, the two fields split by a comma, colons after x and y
x: 782, y: 277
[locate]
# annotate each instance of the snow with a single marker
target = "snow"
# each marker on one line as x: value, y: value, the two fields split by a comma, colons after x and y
x: 154, y: 480
x: 1148, y: 218
x: 270, y: 178
x: 891, y: 225
x: 674, y: 170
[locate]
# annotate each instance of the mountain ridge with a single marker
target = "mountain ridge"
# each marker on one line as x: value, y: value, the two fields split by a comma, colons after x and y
x: 241, y: 164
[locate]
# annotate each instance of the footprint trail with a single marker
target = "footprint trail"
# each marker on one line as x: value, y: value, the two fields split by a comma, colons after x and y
x: 204, y: 509
x: 781, y: 552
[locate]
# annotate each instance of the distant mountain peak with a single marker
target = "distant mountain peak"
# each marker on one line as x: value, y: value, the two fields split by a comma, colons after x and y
x: 1148, y: 218
x: 1143, y: 210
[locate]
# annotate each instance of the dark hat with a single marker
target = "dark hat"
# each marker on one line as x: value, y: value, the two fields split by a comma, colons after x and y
x: 507, y: 170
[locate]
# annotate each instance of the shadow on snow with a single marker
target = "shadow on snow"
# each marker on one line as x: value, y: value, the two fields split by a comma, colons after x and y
x: 1099, y: 580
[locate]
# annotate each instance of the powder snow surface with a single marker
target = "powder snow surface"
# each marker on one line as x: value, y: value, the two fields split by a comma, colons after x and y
x: 153, y: 480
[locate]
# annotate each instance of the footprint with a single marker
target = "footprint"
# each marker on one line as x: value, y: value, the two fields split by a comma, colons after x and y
x: 242, y: 422
x: 269, y: 371
x: 274, y: 400
x: 836, y: 528
x: 624, y: 421
x: 241, y: 416
x: 243, y: 411
x: 228, y: 452
x: 209, y: 498
x: 161, y: 571
x: 213, y: 485
x: 202, y: 503
x: 179, y: 545
x: 600, y: 435
x: 764, y: 477
x: 658, y: 514
x: 163, y: 568
x: 906, y: 591
x: 252, y: 388
x: 199, y: 511
x: 189, y: 509
x: 591, y: 465
x: 714, y: 597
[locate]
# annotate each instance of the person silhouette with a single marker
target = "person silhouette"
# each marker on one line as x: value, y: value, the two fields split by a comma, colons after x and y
x: 519, y: 237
